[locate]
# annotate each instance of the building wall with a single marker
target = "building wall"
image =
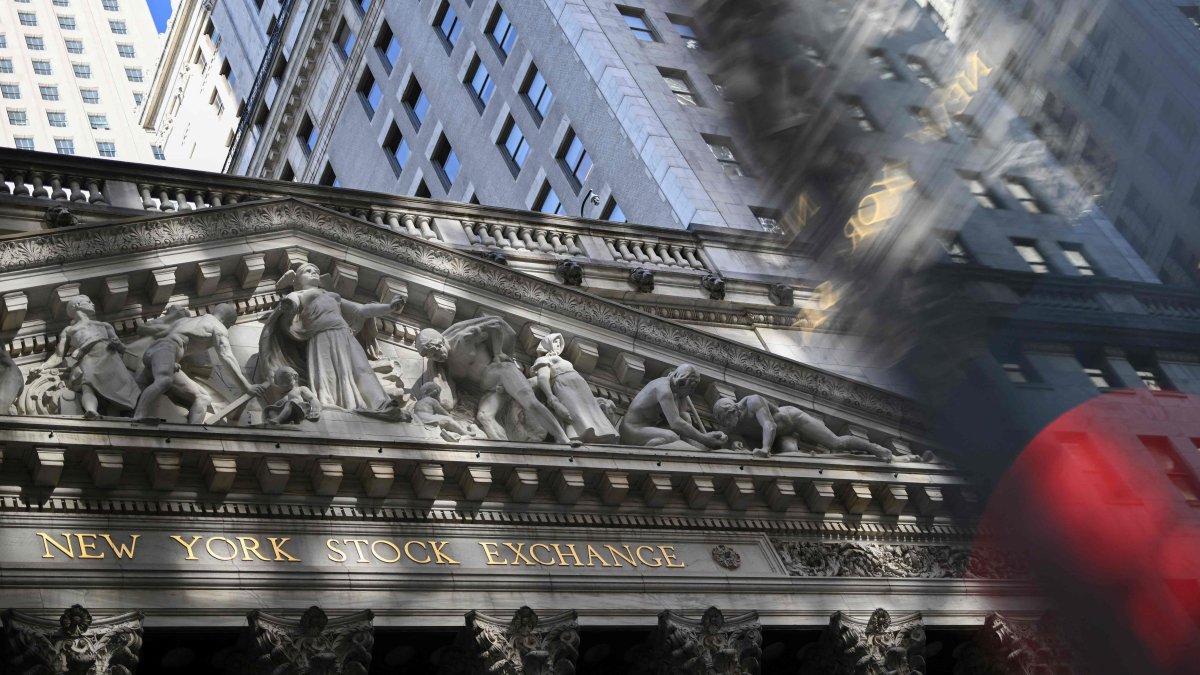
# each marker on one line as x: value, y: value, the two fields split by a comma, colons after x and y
x: 118, y: 95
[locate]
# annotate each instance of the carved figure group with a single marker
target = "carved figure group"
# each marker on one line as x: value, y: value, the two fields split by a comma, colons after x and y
x: 569, y: 395
x: 664, y: 401
x: 93, y: 355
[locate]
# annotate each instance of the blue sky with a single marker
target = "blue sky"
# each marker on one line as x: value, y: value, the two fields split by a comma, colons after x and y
x: 161, y: 11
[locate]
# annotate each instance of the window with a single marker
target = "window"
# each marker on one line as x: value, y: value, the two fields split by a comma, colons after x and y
x: 722, y: 149
x: 111, y: 5
x: 364, y: 5
x: 955, y: 250
x: 371, y: 93
x: 502, y: 32
x: 1149, y: 373
x: 612, y: 212
x: 90, y: 95
x: 921, y: 71
x: 137, y: 98
x: 35, y: 43
x: 686, y: 27
x: 345, y: 40
x: 56, y: 119
x: 882, y: 65
x: 23, y: 142
x: 417, y: 104
x: 74, y: 46
x: 134, y: 75
x: 106, y: 148
x: 575, y: 158
x: 66, y: 22
x: 118, y: 27
x: 228, y: 74
x: 42, y: 68
x: 547, y: 201
x: 516, y: 148
x: 126, y: 51
x: 445, y: 161
x: 388, y: 46
x: 214, y: 100
x: 27, y: 18
x: 6, y: 66
x: 328, y: 177
x: 3, y: 40
x: 1098, y: 373
x: 1192, y: 12
x: 1174, y: 466
x: 423, y: 190
x: 214, y: 36
x: 448, y: 24
x: 48, y: 92
x: 288, y: 172
x: 18, y: 118
x: 64, y: 146
x: 677, y: 81
x: 1015, y: 370
x: 82, y: 70
x: 98, y: 121
x: 62, y: 3
x: 636, y: 20
x: 1075, y: 255
x: 397, y: 147
x: 980, y: 191
x: 307, y: 134
x: 768, y: 219
x: 854, y: 106
x: 10, y: 90
x: 1020, y: 189
x: 1028, y: 250
x: 537, y: 93
x: 480, y: 81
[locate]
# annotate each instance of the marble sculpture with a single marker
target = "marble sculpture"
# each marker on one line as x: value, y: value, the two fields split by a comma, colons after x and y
x: 568, y: 394
x: 92, y: 352
x: 666, y: 400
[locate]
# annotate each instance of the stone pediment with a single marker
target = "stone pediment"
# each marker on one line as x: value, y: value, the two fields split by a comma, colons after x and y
x: 75, y: 254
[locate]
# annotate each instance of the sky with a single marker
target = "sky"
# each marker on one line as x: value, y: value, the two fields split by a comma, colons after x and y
x: 161, y: 11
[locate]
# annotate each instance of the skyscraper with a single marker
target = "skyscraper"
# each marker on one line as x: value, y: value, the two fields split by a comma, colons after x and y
x: 74, y: 74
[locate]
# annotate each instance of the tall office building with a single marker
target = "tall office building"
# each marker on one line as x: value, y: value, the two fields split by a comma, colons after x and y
x: 74, y: 74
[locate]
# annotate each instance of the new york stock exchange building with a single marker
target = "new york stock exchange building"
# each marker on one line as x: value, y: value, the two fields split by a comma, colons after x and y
x: 258, y: 427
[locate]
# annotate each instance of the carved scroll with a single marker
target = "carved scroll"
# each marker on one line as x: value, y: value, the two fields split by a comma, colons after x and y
x: 526, y: 645
x: 75, y: 644
x: 314, y: 645
x: 710, y: 645
x: 876, y: 646
x: 908, y: 561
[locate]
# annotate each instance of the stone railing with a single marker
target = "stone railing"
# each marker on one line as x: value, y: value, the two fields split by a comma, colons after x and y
x: 517, y: 237
x: 51, y: 185
x: 164, y: 198
x: 667, y: 254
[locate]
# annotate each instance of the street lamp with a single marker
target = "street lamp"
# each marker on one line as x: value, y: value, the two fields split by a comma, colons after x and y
x: 595, y: 199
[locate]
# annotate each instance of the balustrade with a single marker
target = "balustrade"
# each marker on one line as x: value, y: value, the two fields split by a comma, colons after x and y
x: 655, y: 253
x: 522, y: 238
x: 51, y: 186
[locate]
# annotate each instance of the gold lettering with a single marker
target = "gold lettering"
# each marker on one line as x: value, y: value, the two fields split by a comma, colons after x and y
x: 412, y: 557
x: 627, y: 556
x: 358, y: 544
x: 442, y: 558
x: 250, y: 545
x: 490, y: 550
x: 669, y: 554
x: 208, y: 547
x: 520, y: 556
x: 973, y: 71
x: 593, y: 553
x: 387, y: 543
x: 655, y: 559
x: 120, y: 550
x: 191, y: 555
x: 533, y: 554
x: 562, y: 557
x: 48, y: 541
x: 84, y: 546
x: 277, y: 546
x: 805, y: 209
x: 330, y: 544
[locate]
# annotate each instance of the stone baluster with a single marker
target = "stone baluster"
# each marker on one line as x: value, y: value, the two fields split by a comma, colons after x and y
x: 513, y: 241
x: 233, y: 199
x: 410, y: 224
x: 469, y: 227
x: 623, y: 247
x: 498, y: 234
x: 181, y: 200
x: 572, y: 243
x: 198, y: 199
x: 612, y: 249
x: 57, y: 191
x: 376, y: 217
x: 425, y: 223
x: 76, y: 193
x: 20, y: 189
x: 216, y: 198
x: 527, y: 239
x: 664, y: 252
x: 652, y: 253
x: 556, y: 242
x: 690, y: 254
x: 4, y: 184
x: 147, y: 200
x: 39, y: 187
x: 393, y: 222
x: 164, y: 203
x: 542, y: 244
x: 96, y: 196
x: 639, y: 252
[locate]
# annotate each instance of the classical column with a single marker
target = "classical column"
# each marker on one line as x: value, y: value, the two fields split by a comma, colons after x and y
x: 313, y: 645
x: 710, y: 645
x: 874, y: 646
x: 75, y: 643
x: 1006, y: 646
x: 526, y: 645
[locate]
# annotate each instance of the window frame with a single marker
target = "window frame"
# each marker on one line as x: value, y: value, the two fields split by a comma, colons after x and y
x: 644, y: 33
x: 535, y: 107
x: 103, y: 151
x: 544, y: 193
x: 687, y: 96
x: 368, y: 88
x: 570, y: 166
x: 392, y: 144
x: 383, y: 43
x: 413, y: 99
x: 511, y: 134
x: 506, y: 43
x: 1032, y: 254
x: 731, y: 166
x: 442, y: 153
x: 481, y: 93
x: 451, y: 36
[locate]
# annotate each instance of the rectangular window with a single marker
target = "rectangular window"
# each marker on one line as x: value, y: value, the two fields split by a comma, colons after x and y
x: 64, y: 146
x: 111, y: 5
x: 516, y: 148
x: 502, y: 32
x: 345, y: 40
x: 66, y: 22
x: 42, y: 68
x: 388, y: 46
x: 612, y: 212
x: 1020, y: 189
x: 397, y: 148
x: 922, y: 71
x: 126, y: 51
x: 307, y: 134
x: 423, y: 190
x: 480, y: 81
x: 56, y: 119
x: 768, y: 219
x: 27, y: 18
x: 18, y: 118
x: 955, y: 250
x: 90, y: 95
x: 134, y: 75
x: 722, y: 149
x: 858, y: 113
x: 636, y: 20
x: 35, y: 43
x: 982, y: 194
x: 574, y: 158
x: 118, y: 27
x: 215, y: 101
x: 547, y: 201
x: 416, y: 103
x: 1098, y: 374
x: 288, y: 173
x: 1015, y: 371
x: 228, y: 74
x: 10, y: 90
x: 1173, y: 466
x: 48, y: 92
x: 62, y: 3
x: 1192, y: 14
x: 370, y: 91
x: 364, y: 5
x: 1078, y: 259
x: 882, y: 65
x: 3, y: 41
x: 1028, y: 250
x: 74, y: 46
x: 537, y: 93
x: 445, y: 161
x: 6, y: 66
x: 679, y: 84
x: 328, y: 177
x: 686, y: 27
x: 23, y: 143
x: 82, y: 70
x: 137, y: 97
x: 448, y: 24
x: 1149, y: 373
x: 106, y: 148
x: 98, y: 121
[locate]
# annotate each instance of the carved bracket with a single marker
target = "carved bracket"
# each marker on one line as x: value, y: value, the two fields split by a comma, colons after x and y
x: 74, y: 644
x: 526, y: 645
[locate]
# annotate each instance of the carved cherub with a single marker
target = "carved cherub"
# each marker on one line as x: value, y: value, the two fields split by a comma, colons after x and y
x: 430, y: 412
x: 299, y: 403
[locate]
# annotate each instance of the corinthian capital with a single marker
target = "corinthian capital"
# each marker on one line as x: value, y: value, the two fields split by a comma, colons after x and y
x: 75, y: 644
